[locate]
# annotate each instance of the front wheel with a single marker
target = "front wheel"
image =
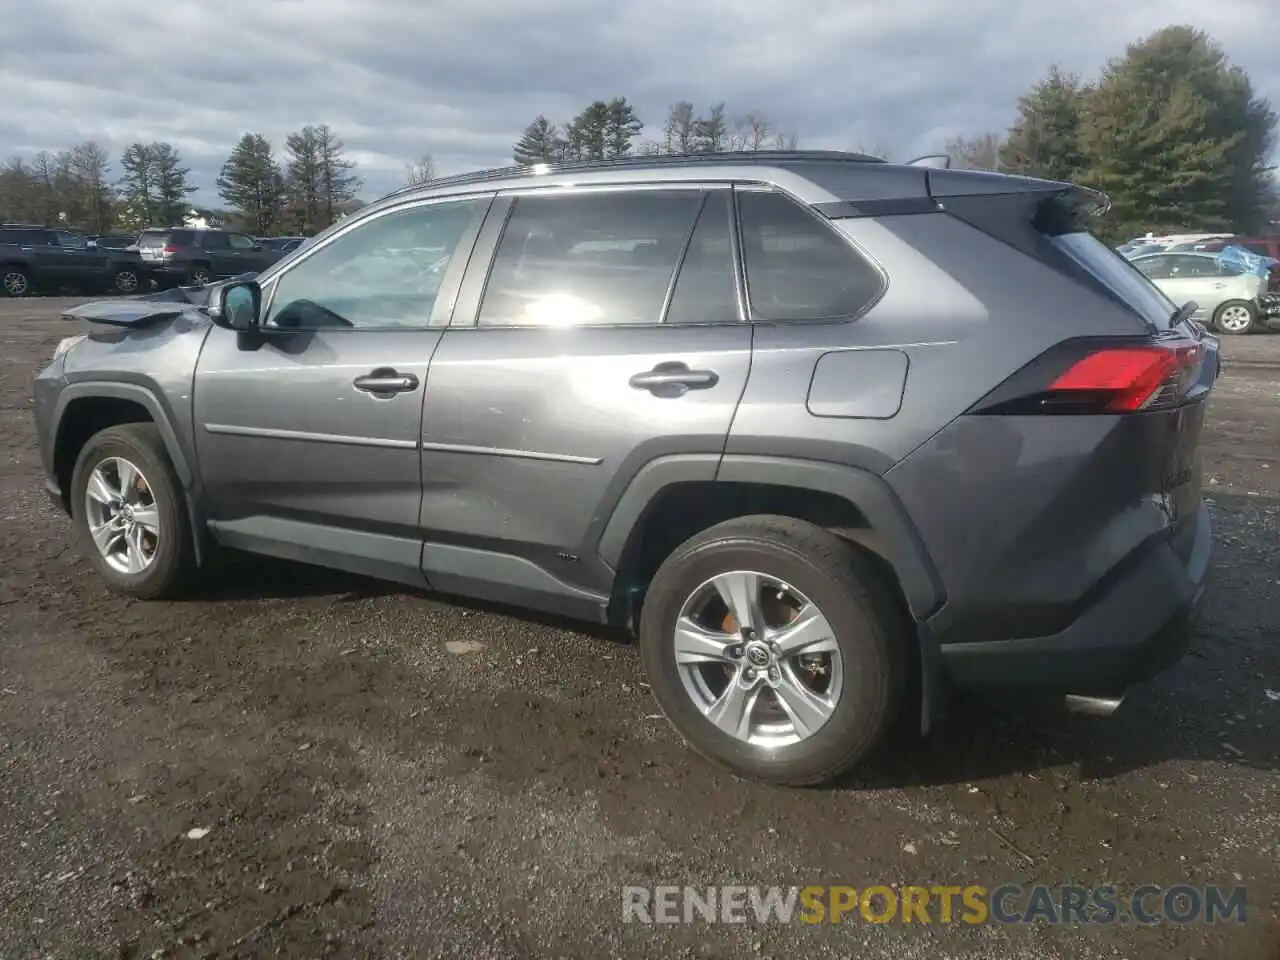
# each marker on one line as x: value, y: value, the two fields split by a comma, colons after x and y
x: 129, y: 513
x: 199, y: 276
x: 774, y: 649
x: 1236, y: 317
x: 14, y: 282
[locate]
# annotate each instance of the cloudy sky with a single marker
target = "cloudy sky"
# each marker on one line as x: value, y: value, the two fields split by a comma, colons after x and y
x: 396, y: 78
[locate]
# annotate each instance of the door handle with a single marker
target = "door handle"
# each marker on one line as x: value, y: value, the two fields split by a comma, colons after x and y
x: 386, y: 381
x: 674, y: 379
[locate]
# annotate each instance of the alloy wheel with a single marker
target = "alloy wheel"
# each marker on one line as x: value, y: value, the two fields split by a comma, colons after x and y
x: 15, y: 283
x: 127, y: 281
x: 123, y: 518
x: 758, y: 658
x: 1235, y: 318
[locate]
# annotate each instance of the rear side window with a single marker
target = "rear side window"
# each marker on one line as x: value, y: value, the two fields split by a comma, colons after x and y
x: 1125, y: 281
x: 706, y: 290
x: 798, y: 268
x: 588, y: 259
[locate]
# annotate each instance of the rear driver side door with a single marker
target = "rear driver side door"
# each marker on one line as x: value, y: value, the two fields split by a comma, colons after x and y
x: 606, y: 334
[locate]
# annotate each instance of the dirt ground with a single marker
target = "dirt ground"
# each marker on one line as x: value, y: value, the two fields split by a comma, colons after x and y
x: 385, y: 775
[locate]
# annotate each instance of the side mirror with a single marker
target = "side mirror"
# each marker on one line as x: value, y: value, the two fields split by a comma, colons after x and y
x: 257, y: 247
x: 236, y: 305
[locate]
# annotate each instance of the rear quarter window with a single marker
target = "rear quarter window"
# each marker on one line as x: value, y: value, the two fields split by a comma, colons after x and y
x: 798, y: 267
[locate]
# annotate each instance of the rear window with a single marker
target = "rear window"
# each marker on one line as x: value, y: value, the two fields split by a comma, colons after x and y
x: 1125, y: 281
x: 152, y: 238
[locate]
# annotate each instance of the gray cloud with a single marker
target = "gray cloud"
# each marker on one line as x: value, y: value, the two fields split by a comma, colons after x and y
x: 396, y: 78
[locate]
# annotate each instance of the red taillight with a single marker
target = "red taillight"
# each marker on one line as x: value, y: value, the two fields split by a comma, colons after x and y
x: 169, y: 251
x: 1130, y: 378
x: 1090, y: 377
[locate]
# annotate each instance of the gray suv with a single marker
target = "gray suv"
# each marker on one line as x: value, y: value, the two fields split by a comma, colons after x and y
x: 835, y: 437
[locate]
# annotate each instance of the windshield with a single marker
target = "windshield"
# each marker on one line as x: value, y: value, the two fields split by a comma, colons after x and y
x: 1119, y: 276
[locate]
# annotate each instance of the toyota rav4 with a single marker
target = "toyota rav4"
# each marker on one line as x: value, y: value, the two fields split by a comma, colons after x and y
x: 833, y: 436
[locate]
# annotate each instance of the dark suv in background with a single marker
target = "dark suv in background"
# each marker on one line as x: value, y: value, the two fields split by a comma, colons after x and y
x: 190, y: 257
x: 787, y: 415
x: 46, y: 259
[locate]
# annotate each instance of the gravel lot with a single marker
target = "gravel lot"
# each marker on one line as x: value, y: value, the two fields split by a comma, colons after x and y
x: 383, y: 774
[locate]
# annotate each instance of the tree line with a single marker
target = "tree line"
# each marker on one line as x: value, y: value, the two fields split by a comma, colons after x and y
x: 1172, y: 132
x: 302, y: 193
x: 611, y: 129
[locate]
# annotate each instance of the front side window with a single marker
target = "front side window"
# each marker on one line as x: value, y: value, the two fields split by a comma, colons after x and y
x: 588, y: 259
x: 216, y: 241
x: 239, y: 241
x: 384, y: 273
x: 70, y: 241
x: 1154, y: 268
x: 799, y: 268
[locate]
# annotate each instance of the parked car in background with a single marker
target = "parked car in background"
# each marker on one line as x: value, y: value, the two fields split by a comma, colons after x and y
x: 1226, y: 292
x: 194, y: 257
x: 44, y: 258
x: 1263, y: 246
x: 816, y: 451
x: 115, y: 241
x: 283, y: 244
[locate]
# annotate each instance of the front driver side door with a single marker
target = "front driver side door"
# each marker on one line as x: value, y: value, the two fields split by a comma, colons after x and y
x: 308, y: 434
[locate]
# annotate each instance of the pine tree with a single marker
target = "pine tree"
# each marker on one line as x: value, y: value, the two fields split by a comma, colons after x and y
x: 588, y: 133
x: 252, y: 185
x: 620, y: 126
x: 1178, y: 138
x: 540, y: 143
x: 171, y: 185
x: 136, y: 186
x: 303, y: 182
x: 1044, y: 140
x: 338, y: 181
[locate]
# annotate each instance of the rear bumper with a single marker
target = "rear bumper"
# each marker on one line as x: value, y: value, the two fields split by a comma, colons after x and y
x: 1140, y: 626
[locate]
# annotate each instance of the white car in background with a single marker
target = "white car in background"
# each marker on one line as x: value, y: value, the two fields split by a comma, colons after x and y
x: 1226, y: 293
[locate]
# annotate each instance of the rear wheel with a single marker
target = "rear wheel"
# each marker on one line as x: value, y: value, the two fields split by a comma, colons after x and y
x: 773, y: 648
x: 127, y: 281
x: 14, y: 282
x: 1235, y: 317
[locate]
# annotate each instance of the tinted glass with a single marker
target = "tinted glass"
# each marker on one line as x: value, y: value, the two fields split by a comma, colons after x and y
x: 799, y: 268
x: 1154, y: 268
x: 386, y: 272
x: 239, y: 241
x: 594, y: 258
x: 215, y: 241
x: 705, y: 289
x: 1124, y: 279
x: 70, y: 241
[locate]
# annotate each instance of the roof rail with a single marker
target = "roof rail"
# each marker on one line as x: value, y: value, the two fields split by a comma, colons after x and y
x: 934, y: 161
x: 635, y: 163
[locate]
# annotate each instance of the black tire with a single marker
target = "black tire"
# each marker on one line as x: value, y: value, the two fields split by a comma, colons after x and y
x: 199, y: 275
x: 870, y: 632
x: 1235, y: 305
x: 127, y: 281
x: 174, y: 560
x: 14, y: 281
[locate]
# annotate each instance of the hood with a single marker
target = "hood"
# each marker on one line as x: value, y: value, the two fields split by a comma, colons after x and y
x: 148, y: 308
